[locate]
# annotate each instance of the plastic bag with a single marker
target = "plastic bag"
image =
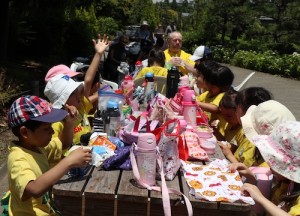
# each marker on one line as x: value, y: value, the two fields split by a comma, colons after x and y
x: 104, y: 96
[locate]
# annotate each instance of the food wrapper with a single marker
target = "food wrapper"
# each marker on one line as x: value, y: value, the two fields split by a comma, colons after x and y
x: 98, y: 140
x: 214, y: 182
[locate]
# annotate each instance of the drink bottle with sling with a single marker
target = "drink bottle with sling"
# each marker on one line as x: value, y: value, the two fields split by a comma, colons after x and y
x: 172, y: 82
x: 146, y: 158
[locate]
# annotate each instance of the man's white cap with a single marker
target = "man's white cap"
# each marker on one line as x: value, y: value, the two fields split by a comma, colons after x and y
x: 198, y: 54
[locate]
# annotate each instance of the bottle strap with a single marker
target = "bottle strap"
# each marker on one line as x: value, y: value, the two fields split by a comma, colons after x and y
x: 165, y: 191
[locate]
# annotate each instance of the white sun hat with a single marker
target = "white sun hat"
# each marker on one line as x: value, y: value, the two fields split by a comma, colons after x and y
x: 59, y: 89
x: 262, y: 119
x: 281, y: 149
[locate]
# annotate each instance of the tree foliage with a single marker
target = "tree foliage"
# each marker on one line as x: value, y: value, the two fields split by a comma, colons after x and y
x: 55, y: 31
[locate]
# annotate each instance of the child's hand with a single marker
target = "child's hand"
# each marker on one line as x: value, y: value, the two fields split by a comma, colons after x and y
x: 72, y: 115
x: 101, y: 45
x: 226, y: 148
x: 243, y: 171
x: 253, y: 191
x: 80, y: 157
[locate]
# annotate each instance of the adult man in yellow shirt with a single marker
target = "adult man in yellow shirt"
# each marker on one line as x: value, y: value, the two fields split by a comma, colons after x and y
x: 175, y: 56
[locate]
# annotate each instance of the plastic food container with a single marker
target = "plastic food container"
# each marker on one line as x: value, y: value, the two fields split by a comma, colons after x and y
x: 208, y: 146
x: 203, y: 131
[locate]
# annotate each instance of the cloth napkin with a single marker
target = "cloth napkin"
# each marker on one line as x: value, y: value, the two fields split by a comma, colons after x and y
x: 214, y: 182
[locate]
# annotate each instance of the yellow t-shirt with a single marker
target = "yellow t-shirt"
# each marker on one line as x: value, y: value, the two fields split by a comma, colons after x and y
x: 215, y: 100
x: 25, y: 166
x: 295, y: 209
x: 280, y: 189
x: 183, y: 55
x: 245, y: 152
x: 156, y: 70
x: 83, y: 125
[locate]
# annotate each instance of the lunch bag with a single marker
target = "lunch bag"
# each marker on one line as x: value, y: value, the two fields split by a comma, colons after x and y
x: 167, y: 143
x: 129, y: 133
x: 189, y: 147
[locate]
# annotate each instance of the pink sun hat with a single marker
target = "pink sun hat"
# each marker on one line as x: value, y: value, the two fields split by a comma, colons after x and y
x: 60, y: 69
x: 281, y: 149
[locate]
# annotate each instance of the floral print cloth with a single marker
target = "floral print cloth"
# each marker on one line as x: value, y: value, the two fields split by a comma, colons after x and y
x: 214, y: 182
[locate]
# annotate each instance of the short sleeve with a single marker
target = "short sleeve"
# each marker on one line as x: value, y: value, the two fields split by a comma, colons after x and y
x: 20, y: 173
x: 245, y: 152
x: 58, y: 128
x: 295, y: 209
x: 54, y: 151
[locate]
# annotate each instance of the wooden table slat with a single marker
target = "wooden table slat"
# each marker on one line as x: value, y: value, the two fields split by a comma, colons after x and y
x: 68, y: 186
x: 129, y: 192
x: 102, y: 184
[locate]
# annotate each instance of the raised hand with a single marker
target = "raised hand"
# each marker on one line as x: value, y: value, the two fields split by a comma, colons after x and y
x: 101, y: 44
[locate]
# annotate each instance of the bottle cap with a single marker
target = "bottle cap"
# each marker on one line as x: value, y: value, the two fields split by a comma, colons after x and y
x: 149, y: 74
x: 138, y: 63
x: 127, y: 78
x: 118, y: 91
x: 112, y: 104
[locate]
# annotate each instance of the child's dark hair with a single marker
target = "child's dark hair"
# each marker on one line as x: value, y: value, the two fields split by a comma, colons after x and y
x: 252, y: 96
x: 228, y: 100
x: 156, y: 56
x: 216, y: 74
x: 31, y: 125
x: 205, y: 67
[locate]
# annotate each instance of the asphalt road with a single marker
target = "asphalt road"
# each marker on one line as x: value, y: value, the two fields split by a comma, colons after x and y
x: 285, y: 91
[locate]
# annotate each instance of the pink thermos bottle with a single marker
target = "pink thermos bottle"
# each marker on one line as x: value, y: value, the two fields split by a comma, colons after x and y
x: 146, y: 157
x: 189, y: 112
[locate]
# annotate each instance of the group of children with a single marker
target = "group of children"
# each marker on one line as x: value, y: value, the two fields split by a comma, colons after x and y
x: 45, y: 131
x: 254, y: 129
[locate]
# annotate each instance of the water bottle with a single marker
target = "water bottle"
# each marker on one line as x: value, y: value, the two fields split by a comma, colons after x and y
x: 189, y: 112
x: 127, y: 86
x: 113, y: 118
x: 149, y: 88
x: 146, y: 157
x: 138, y: 67
x: 172, y: 82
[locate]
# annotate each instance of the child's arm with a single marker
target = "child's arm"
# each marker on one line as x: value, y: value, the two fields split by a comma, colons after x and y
x: 78, y: 158
x: 66, y: 136
x: 267, y: 204
x: 100, y: 46
x: 208, y: 107
x: 226, y: 149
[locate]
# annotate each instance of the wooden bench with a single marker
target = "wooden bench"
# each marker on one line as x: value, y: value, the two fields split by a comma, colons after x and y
x: 114, y: 193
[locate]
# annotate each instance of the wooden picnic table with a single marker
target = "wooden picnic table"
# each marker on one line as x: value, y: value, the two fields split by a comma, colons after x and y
x: 102, y: 192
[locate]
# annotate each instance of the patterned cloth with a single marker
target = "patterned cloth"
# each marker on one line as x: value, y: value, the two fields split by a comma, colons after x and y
x: 213, y: 182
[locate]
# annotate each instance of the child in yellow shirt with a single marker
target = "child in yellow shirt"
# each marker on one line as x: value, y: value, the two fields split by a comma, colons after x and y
x: 29, y: 173
x: 62, y: 91
x: 156, y: 61
x: 236, y: 148
x: 218, y: 79
x: 280, y: 150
